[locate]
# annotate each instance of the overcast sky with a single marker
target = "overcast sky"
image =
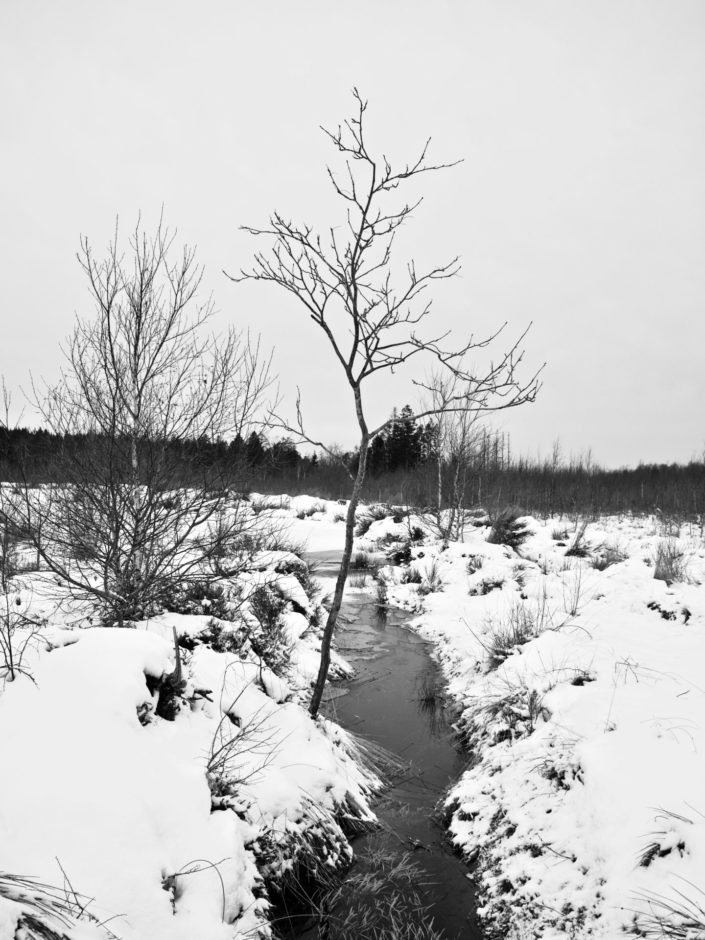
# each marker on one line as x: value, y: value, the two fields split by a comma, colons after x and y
x: 580, y: 204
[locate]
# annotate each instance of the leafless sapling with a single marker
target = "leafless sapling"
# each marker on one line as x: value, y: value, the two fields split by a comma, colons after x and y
x: 344, y: 280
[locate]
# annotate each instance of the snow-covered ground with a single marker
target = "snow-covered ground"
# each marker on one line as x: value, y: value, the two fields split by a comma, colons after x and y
x: 582, y: 700
x: 583, y: 704
x: 168, y: 829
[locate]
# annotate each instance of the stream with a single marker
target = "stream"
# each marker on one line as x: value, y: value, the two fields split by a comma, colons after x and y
x: 395, y: 700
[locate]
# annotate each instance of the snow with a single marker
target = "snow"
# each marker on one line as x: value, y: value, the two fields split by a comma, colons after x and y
x: 584, y: 796
x: 580, y: 696
x: 167, y: 840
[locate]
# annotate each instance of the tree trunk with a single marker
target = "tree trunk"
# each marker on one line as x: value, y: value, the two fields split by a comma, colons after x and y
x: 340, y: 582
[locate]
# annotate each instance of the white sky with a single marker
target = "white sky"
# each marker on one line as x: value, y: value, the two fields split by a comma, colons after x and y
x: 580, y: 204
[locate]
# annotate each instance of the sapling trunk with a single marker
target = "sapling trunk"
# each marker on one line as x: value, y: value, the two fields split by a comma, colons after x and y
x: 333, y: 613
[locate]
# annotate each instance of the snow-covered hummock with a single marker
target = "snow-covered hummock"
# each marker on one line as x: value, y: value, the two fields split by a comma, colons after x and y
x: 586, y: 795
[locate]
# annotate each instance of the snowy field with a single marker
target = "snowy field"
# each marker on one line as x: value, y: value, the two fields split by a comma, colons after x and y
x: 578, y: 675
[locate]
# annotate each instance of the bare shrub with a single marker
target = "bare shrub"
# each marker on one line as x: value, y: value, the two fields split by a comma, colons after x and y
x: 574, y: 590
x: 142, y: 382
x: 239, y: 752
x: 9, y: 560
x: 18, y: 633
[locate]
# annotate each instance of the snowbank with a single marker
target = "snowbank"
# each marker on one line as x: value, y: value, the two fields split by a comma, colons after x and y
x: 583, y: 704
x: 172, y: 829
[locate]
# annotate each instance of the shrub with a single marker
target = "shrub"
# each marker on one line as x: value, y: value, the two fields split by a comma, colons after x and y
x: 508, y: 529
x: 401, y: 555
x: 217, y: 635
x: 201, y: 597
x: 416, y: 534
x: 238, y: 753
x: 670, y: 562
x: 267, y: 606
x: 18, y: 632
x: 559, y: 534
x: 270, y: 642
x: 273, y: 647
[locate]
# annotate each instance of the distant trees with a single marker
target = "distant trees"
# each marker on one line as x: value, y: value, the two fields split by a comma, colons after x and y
x: 344, y: 279
x: 144, y: 394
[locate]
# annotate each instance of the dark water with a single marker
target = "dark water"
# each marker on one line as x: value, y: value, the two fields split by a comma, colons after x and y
x: 394, y: 701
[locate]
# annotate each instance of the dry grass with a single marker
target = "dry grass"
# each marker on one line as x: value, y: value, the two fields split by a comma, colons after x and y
x: 679, y: 917
x: 380, y: 901
x: 670, y: 562
x: 608, y: 554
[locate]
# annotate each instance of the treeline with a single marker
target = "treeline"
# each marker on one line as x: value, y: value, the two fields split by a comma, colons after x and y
x: 404, y: 468
x: 36, y: 453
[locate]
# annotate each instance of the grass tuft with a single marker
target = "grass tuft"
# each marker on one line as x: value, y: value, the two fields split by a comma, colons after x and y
x: 670, y: 562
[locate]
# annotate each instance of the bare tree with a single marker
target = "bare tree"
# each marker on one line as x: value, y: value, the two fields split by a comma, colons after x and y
x: 136, y: 511
x: 457, y: 437
x: 344, y: 280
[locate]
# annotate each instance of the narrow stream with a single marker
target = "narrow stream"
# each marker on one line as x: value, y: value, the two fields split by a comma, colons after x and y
x: 394, y: 701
